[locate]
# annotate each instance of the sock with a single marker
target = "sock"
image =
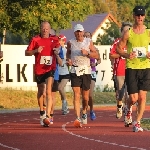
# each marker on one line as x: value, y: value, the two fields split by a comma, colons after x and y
x: 51, y: 115
x: 64, y: 101
x: 119, y: 106
x: 42, y: 113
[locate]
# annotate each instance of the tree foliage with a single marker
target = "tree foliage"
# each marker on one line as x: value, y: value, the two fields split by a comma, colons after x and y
x: 111, y: 32
x: 25, y: 16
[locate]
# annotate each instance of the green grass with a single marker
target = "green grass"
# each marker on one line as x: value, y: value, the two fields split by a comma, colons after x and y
x: 17, y: 99
x: 145, y: 123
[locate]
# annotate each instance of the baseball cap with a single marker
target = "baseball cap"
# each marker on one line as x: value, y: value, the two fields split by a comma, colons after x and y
x: 139, y: 10
x: 61, y: 36
x: 78, y: 27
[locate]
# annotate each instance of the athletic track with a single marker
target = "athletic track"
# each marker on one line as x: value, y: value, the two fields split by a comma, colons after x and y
x: 21, y: 131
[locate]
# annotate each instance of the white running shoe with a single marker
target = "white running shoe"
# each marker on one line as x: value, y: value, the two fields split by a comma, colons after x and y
x: 127, y: 118
x: 84, y: 118
x: 119, y: 113
x: 41, y: 120
x: 137, y: 127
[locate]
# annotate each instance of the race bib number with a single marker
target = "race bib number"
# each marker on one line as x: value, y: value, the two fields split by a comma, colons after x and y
x: 140, y: 51
x: 81, y: 70
x: 46, y: 60
x: 93, y: 74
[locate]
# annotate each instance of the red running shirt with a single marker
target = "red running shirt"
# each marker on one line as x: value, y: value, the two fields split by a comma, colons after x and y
x: 119, y: 63
x: 46, y: 60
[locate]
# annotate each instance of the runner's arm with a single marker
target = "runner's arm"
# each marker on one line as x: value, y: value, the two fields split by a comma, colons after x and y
x: 68, y: 54
x: 93, y: 52
x: 121, y: 44
x: 59, y: 60
x: 30, y: 52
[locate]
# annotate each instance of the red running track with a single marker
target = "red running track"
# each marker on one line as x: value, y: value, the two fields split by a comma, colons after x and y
x: 21, y: 131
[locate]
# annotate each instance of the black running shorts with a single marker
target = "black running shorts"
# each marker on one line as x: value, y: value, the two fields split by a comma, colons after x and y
x: 42, y: 77
x: 82, y: 81
x: 55, y: 86
x: 137, y: 79
x: 61, y: 77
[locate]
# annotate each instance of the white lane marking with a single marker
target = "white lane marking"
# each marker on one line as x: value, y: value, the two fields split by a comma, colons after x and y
x: 100, y: 141
x: 12, y: 148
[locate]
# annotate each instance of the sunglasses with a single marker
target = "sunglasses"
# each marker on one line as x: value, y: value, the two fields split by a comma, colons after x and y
x: 140, y: 15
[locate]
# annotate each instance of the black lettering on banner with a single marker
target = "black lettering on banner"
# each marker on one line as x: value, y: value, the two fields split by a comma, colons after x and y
x: 7, y: 74
x: 103, y: 71
x: 18, y: 72
x: 105, y: 55
x: 22, y: 73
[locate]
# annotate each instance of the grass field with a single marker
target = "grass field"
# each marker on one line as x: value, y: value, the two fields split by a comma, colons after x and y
x: 17, y: 99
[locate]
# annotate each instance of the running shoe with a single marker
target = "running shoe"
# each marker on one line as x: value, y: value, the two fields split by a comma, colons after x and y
x: 65, y: 109
x: 92, y: 115
x: 42, y: 117
x: 77, y: 123
x: 137, y: 127
x: 84, y: 118
x: 46, y: 121
x: 127, y: 118
x: 51, y: 120
x: 119, y: 113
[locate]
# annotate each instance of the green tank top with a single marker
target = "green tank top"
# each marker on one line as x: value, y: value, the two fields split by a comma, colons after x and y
x: 138, y: 42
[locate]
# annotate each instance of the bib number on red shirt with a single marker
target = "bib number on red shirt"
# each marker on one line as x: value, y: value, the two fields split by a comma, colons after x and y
x: 46, y: 60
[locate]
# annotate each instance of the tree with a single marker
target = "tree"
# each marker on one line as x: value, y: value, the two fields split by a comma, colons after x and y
x: 111, y: 32
x: 25, y: 16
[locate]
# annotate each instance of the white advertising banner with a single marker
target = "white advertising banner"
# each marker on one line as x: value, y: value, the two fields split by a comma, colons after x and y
x: 16, y: 69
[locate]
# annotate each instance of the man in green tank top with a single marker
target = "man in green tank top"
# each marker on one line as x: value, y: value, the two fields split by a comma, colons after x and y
x: 137, y: 74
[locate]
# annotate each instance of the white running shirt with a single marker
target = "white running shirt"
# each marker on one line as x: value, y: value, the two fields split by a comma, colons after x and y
x: 81, y: 63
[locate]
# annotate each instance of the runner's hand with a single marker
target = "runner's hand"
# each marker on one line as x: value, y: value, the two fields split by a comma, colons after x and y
x: 69, y: 62
x: 39, y: 50
x: 56, y: 51
x: 132, y: 55
x: 148, y: 55
x: 84, y: 52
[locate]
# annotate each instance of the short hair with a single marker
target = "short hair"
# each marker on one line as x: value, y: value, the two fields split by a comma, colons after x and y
x: 43, y: 22
x: 124, y: 24
x: 89, y: 33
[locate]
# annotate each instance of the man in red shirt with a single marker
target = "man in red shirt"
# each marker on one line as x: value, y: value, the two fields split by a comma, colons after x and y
x: 42, y: 47
x: 119, y: 71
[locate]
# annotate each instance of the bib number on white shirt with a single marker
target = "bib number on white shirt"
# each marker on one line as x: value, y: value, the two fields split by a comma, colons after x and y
x: 140, y: 51
x: 81, y: 70
x: 46, y: 60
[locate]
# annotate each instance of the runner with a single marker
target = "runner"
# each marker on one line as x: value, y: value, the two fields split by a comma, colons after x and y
x: 93, y: 64
x: 60, y: 58
x: 137, y: 65
x: 79, y: 52
x: 42, y: 47
x: 119, y: 71
x: 64, y: 76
